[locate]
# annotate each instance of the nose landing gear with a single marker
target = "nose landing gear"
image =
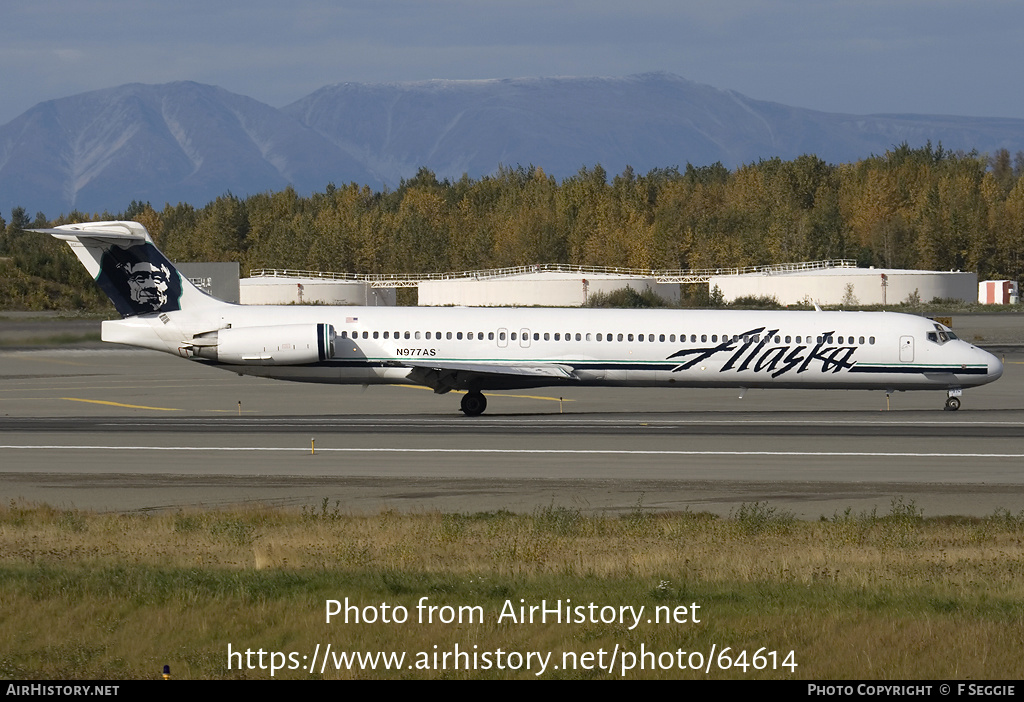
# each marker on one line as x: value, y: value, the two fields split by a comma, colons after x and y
x: 953, y: 400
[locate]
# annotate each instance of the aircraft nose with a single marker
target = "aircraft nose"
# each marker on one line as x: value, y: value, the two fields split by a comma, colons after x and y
x: 995, y: 368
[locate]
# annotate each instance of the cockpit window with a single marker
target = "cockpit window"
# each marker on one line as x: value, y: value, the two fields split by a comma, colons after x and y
x: 940, y: 336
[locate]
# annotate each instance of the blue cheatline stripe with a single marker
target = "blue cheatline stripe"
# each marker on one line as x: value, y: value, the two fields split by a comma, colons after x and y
x: 630, y: 365
x: 959, y: 370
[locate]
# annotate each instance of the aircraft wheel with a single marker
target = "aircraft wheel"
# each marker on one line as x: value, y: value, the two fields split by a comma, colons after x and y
x: 473, y: 403
x: 953, y: 404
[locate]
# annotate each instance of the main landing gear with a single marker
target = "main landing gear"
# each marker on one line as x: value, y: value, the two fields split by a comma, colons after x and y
x: 473, y: 403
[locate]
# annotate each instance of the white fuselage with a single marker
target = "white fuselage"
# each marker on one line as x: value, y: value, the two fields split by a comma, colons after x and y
x: 682, y: 348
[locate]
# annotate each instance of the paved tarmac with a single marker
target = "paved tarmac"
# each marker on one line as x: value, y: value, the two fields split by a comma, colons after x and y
x: 125, y: 430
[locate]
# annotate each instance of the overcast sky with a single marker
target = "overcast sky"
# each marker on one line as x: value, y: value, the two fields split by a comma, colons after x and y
x: 959, y: 57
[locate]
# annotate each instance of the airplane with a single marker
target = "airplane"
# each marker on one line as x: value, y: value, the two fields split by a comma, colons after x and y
x: 480, y: 349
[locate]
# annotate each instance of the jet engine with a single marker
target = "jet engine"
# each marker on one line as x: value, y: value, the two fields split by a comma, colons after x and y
x: 279, y: 345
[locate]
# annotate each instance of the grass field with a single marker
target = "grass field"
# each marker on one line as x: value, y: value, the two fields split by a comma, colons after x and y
x: 891, y: 596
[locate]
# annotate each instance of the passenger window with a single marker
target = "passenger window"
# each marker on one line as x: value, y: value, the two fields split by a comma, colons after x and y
x: 640, y: 337
x: 385, y: 335
x: 703, y: 338
x: 871, y: 340
x: 458, y: 336
x: 579, y: 337
x: 469, y: 336
x: 501, y: 336
x: 599, y: 337
x: 407, y: 335
x: 449, y: 336
x: 513, y: 336
x: 344, y: 335
x: 693, y: 338
x: 536, y: 336
x: 860, y: 340
x: 417, y: 335
x: 547, y: 336
x: 376, y: 335
x: 558, y: 336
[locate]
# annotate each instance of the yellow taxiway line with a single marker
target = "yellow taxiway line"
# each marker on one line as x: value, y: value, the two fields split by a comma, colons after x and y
x: 119, y: 404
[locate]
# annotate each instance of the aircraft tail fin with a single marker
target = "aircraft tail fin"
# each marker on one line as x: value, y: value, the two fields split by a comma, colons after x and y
x: 135, y: 275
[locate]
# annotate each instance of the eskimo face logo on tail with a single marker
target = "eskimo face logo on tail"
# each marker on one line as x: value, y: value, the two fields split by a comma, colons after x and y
x: 138, y: 279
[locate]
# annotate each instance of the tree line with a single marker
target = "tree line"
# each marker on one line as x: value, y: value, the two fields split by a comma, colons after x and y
x: 923, y: 208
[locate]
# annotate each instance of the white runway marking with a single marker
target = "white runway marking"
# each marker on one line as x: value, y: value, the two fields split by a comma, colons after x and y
x: 585, y: 452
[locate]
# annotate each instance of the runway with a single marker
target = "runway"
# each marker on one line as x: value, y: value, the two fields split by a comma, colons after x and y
x: 123, y: 430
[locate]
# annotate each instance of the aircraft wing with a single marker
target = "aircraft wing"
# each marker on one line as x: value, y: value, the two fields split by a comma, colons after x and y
x: 443, y: 376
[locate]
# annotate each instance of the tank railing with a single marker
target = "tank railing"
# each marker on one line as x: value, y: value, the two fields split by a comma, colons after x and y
x: 404, y: 280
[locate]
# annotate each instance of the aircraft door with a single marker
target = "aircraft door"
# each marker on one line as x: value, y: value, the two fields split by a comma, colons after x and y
x: 906, y: 349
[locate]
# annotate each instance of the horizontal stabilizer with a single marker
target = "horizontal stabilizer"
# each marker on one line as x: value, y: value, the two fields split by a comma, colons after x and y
x: 100, y: 236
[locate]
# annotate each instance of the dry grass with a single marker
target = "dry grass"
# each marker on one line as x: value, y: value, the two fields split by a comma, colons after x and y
x: 893, y: 596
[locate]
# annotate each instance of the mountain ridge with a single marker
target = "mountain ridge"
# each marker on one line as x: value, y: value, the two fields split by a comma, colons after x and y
x: 191, y: 142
